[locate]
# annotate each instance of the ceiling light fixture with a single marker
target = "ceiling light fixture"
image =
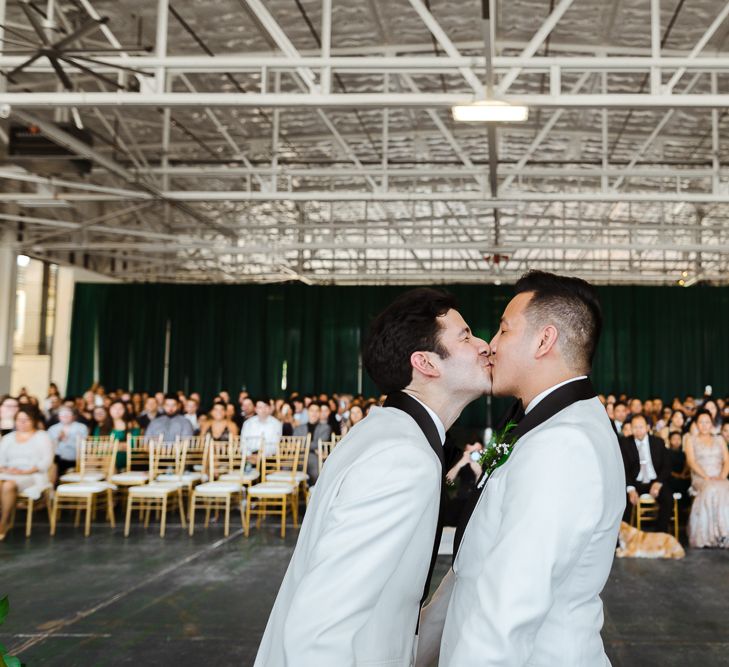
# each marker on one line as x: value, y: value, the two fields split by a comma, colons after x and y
x: 490, y: 111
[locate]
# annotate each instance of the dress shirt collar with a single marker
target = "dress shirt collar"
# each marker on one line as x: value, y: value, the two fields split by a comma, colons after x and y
x: 436, y: 419
x: 546, y: 392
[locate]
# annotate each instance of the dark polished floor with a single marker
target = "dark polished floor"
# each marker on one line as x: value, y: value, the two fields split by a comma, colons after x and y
x: 106, y: 601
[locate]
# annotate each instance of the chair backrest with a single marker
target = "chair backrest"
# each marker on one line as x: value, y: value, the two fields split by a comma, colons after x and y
x: 196, y: 453
x: 98, y: 454
x: 221, y: 456
x: 324, y: 448
x: 138, y: 453
x: 167, y: 457
x: 290, y: 456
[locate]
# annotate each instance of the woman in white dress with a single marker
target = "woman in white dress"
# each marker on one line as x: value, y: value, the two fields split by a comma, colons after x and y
x: 25, y: 457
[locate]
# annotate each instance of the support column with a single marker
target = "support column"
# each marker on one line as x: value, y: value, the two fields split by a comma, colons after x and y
x: 8, y: 285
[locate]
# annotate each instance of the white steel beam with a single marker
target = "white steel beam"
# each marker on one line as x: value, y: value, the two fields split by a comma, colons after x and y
x: 354, y: 100
x: 448, y: 46
x: 534, y: 43
x: 513, y: 199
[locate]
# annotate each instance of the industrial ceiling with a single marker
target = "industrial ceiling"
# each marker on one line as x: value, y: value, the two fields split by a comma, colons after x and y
x: 251, y: 141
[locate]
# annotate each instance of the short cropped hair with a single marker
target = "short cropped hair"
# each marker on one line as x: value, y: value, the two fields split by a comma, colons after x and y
x: 409, y: 324
x: 570, y: 304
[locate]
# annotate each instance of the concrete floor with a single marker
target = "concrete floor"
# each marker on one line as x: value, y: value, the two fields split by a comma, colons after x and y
x: 107, y: 601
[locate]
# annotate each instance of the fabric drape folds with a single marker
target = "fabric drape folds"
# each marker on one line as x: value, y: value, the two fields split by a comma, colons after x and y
x: 661, y: 341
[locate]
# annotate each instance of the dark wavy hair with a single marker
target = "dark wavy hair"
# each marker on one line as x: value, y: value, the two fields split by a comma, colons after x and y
x: 409, y: 324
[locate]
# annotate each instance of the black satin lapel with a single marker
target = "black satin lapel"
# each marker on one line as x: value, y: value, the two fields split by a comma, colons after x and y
x: 408, y: 404
x: 558, y: 400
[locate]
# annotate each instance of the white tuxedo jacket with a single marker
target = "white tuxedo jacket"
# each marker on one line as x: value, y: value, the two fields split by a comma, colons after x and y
x: 538, y: 549
x: 351, y: 594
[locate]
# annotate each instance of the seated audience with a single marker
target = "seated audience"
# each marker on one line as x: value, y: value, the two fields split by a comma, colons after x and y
x: 725, y: 432
x: 620, y: 414
x: 123, y: 425
x: 171, y: 424
x: 26, y: 454
x: 463, y: 475
x: 647, y: 470
x: 356, y: 415
x: 151, y: 412
x: 101, y: 423
x: 191, y: 414
x: 262, y: 425
x: 680, y: 473
x: 300, y: 412
x: 708, y: 458
x: 318, y: 426
x: 66, y: 435
x: 218, y: 426
x: 677, y: 422
x: 8, y: 409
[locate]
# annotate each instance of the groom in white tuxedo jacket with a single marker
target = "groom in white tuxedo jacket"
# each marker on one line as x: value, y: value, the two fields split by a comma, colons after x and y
x: 353, y: 590
x: 533, y: 556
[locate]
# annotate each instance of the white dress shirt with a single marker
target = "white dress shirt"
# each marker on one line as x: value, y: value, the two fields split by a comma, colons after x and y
x: 256, y: 428
x: 546, y: 392
x: 647, y: 472
x: 434, y: 417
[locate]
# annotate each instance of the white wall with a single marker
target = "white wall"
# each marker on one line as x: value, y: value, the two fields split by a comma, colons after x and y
x: 32, y: 372
x: 67, y: 279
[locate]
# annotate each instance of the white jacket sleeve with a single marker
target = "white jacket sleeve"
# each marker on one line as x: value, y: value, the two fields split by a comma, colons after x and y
x: 551, y: 505
x: 379, y: 508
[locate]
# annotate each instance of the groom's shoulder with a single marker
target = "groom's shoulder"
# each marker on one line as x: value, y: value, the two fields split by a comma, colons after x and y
x: 392, y: 430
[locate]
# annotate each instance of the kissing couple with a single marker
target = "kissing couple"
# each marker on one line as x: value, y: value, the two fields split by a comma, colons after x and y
x: 534, y: 548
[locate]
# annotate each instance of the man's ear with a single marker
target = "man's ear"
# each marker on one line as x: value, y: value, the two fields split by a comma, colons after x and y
x: 547, y: 340
x: 422, y: 363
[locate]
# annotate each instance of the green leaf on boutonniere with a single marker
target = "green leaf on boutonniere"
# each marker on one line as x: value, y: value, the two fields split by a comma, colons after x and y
x: 497, y: 450
x: 12, y: 661
x: 4, y: 608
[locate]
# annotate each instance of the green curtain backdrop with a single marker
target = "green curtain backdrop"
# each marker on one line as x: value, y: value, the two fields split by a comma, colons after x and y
x: 657, y: 341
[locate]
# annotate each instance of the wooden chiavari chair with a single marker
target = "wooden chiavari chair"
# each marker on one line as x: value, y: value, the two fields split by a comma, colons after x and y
x: 89, y: 466
x: 216, y: 494
x: 324, y: 448
x: 96, y: 454
x: 239, y: 467
x: 166, y: 457
x: 287, y: 464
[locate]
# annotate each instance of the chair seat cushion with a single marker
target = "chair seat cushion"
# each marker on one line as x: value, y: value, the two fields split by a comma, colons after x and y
x: 217, y: 489
x: 92, y: 476
x: 130, y: 477
x: 647, y: 499
x: 83, y: 488
x: 155, y: 489
x: 186, y: 477
x: 271, y: 489
x: 250, y: 476
x: 283, y: 476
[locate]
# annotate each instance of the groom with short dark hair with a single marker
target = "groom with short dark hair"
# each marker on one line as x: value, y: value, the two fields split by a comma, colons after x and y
x: 533, y: 555
x: 353, y: 590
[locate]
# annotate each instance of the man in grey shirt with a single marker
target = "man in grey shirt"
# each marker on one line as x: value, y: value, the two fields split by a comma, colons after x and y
x: 170, y: 424
x: 320, y: 430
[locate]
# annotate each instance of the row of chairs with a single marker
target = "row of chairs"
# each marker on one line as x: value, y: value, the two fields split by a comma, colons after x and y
x: 159, y: 476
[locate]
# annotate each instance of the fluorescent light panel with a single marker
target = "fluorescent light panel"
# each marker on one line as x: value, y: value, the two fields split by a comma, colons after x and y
x: 490, y: 111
